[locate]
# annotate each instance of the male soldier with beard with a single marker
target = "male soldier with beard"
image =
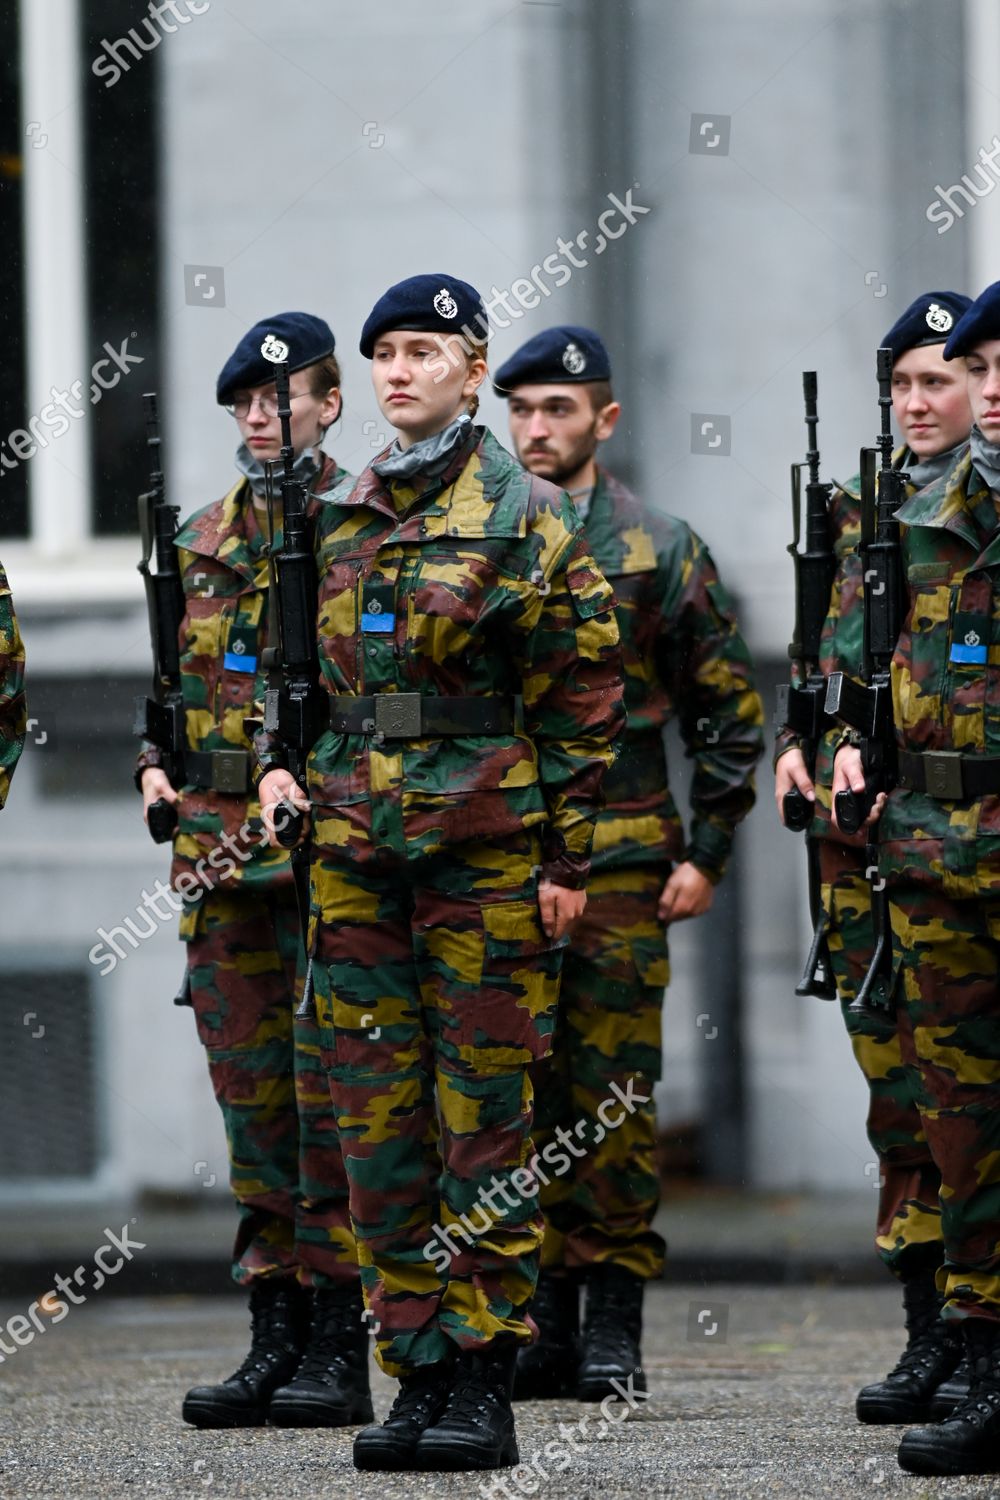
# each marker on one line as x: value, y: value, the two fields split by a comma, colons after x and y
x: 12, y: 707
x: 931, y: 408
x: 684, y: 657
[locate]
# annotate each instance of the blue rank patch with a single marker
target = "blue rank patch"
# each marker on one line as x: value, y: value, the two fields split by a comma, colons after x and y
x: 378, y: 624
x: 969, y: 655
x: 233, y: 662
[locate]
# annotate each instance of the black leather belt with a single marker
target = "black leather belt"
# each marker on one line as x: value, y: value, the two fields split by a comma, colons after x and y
x: 949, y: 774
x: 218, y: 770
x: 414, y: 716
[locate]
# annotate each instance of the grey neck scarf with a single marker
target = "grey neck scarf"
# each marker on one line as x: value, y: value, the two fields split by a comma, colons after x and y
x: 986, y: 458
x: 306, y: 467
x: 429, y: 457
x: 926, y: 470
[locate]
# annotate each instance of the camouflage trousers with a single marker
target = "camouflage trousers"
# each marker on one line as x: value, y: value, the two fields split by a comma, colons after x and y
x: 436, y: 987
x: 950, y: 1037
x: 908, y: 1230
x: 286, y: 1171
x: 608, y: 1048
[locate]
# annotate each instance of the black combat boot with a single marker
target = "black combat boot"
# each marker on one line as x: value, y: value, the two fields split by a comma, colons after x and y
x: 931, y: 1354
x: 476, y: 1429
x: 952, y: 1392
x: 967, y: 1442
x: 612, y: 1334
x: 421, y: 1399
x: 279, y: 1324
x: 330, y: 1387
x: 548, y: 1367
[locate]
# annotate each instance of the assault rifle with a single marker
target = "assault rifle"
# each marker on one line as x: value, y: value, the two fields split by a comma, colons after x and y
x: 867, y: 708
x: 800, y: 704
x: 295, y: 705
x: 160, y: 719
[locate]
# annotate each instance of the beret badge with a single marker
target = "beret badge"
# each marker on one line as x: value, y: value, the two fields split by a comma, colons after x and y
x: 274, y: 350
x: 574, y: 360
x: 445, y: 304
x: 939, y: 319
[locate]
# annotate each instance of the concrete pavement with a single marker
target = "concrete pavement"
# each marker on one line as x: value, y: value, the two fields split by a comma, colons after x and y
x: 751, y: 1394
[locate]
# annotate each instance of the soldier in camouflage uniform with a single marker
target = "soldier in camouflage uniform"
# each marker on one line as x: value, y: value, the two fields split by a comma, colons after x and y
x: 241, y: 927
x: 684, y: 658
x: 469, y: 646
x: 12, y: 706
x: 938, y: 836
x: 931, y: 408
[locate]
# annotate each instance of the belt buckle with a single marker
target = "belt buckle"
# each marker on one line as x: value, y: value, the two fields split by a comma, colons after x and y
x: 229, y: 771
x: 397, y: 715
x: 943, y: 770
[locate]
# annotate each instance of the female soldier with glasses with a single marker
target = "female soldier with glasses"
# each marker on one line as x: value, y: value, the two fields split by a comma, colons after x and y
x: 294, y: 1249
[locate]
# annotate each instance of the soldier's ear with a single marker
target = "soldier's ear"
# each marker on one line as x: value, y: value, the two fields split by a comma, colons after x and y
x: 476, y: 374
x: 607, y: 417
x: 331, y: 407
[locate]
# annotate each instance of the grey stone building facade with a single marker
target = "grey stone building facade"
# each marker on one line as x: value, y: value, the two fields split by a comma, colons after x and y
x: 730, y: 193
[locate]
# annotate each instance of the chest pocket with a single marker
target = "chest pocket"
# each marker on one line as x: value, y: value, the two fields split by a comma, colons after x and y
x: 465, y: 572
x: 943, y: 649
x: 471, y: 529
x: 209, y: 590
x: 633, y: 579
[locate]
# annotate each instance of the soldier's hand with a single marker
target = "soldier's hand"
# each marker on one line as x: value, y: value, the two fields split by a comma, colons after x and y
x: 155, y: 784
x: 688, y: 893
x: 275, y: 789
x: 849, y: 775
x: 559, y: 908
x: 791, y: 772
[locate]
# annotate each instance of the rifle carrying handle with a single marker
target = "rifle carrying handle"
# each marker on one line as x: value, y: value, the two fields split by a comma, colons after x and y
x: 290, y: 830
x: 161, y: 820
x: 852, y: 810
x: 797, y: 810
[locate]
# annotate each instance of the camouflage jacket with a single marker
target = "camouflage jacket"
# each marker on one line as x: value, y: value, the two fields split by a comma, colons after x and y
x: 480, y: 586
x: 12, y: 705
x: 684, y: 657
x: 945, y: 697
x: 943, y: 701
x: 223, y: 564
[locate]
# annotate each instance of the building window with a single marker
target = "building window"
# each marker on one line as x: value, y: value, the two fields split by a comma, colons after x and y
x: 13, y: 402
x: 121, y: 161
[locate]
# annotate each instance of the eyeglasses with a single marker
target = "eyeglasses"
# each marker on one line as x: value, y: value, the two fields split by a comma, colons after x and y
x: 243, y: 405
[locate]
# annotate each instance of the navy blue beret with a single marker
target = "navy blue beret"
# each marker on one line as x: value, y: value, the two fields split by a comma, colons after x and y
x: 435, y: 303
x: 555, y: 357
x: 929, y: 319
x: 307, y: 338
x: 980, y: 322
